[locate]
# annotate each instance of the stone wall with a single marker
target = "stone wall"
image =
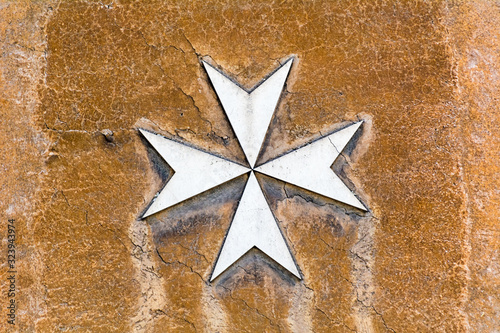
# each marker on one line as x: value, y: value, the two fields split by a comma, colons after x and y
x: 77, y: 80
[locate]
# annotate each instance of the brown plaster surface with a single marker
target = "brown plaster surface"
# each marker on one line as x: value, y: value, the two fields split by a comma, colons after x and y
x: 78, y: 78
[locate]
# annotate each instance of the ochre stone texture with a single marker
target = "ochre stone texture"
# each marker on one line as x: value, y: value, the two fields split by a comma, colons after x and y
x: 78, y: 78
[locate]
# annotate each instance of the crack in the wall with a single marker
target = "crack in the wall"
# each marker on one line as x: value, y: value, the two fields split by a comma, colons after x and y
x: 256, y: 310
x: 178, y: 262
x: 212, y: 134
x: 312, y: 199
x: 334, y: 322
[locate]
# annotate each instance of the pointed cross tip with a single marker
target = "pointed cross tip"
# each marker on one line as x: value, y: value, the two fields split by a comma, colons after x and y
x: 290, y: 59
x: 295, y: 272
x: 358, y: 123
x: 149, y: 210
x: 217, y: 272
x: 286, y: 64
x: 208, y: 65
x: 145, y: 133
x: 148, y: 135
x: 352, y: 127
x: 292, y: 266
x: 146, y: 214
x: 361, y: 207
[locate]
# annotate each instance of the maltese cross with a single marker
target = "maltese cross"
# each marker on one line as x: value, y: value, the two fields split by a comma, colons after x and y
x: 253, y: 225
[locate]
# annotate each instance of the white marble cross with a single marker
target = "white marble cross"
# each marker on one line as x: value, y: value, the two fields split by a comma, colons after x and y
x: 254, y: 224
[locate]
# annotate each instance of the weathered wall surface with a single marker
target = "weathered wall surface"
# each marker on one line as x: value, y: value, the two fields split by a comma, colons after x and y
x: 77, y: 79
